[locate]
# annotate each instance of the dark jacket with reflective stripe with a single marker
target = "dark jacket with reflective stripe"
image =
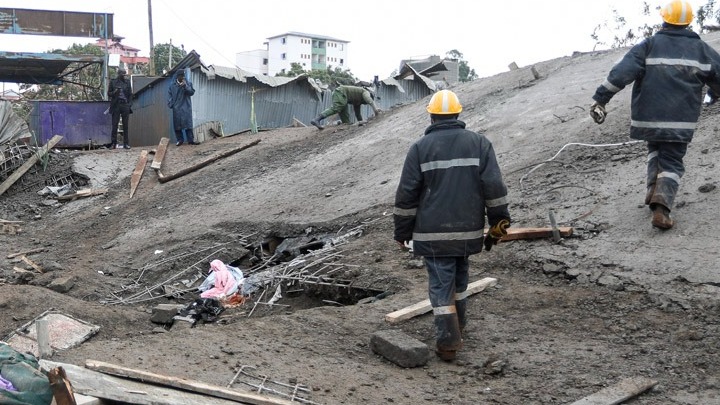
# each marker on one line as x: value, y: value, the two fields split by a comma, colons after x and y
x: 669, y: 70
x: 450, y: 181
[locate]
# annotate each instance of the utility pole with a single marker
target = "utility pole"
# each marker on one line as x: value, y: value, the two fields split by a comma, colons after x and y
x: 170, y: 55
x: 152, y: 45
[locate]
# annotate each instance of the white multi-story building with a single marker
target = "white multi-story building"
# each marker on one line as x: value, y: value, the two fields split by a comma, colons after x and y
x: 312, y: 52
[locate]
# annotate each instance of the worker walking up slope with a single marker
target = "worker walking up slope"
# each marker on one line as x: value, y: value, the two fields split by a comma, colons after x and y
x: 669, y: 71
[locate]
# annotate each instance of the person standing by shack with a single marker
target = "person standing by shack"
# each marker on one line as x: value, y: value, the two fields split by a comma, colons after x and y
x: 180, y: 103
x: 120, y: 93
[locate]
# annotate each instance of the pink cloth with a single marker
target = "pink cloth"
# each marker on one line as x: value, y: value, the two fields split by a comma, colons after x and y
x: 224, y: 280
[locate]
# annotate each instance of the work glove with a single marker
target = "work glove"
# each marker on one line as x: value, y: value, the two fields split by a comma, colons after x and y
x: 598, y: 113
x: 496, y: 233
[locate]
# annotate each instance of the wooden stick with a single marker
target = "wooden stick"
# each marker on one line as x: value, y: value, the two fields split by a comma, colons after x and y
x: 618, y: 393
x: 28, y: 164
x: 32, y: 264
x: 424, y: 306
x: 165, y: 178
x: 138, y: 172
x: 533, y: 233
x: 86, y: 192
x: 27, y: 252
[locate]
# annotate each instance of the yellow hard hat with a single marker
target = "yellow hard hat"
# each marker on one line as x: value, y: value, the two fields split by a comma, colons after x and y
x: 444, y: 102
x: 677, y: 12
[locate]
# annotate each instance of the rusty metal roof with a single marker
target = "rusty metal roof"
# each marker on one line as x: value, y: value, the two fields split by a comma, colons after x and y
x: 40, y: 68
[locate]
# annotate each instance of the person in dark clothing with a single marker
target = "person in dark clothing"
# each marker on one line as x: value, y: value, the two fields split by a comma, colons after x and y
x: 669, y: 71
x: 179, y: 101
x: 120, y: 94
x: 341, y: 98
x: 450, y: 181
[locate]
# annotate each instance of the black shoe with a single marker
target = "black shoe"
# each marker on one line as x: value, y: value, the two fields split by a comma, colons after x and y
x: 317, y: 124
x: 193, y: 143
x: 126, y: 146
x: 179, y: 143
x: 112, y: 146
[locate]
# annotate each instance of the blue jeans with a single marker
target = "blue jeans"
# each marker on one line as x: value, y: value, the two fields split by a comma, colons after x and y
x: 448, y: 279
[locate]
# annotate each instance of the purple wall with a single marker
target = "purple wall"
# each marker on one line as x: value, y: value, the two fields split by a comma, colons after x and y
x: 79, y: 122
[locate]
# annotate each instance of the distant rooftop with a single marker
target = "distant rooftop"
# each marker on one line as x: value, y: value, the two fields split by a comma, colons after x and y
x: 304, y: 34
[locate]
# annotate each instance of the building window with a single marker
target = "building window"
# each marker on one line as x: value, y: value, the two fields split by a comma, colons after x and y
x: 283, y: 56
x: 265, y: 61
x: 342, y: 61
x: 283, y: 41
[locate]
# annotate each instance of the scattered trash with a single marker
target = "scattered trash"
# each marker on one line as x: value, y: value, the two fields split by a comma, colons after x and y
x: 157, y: 252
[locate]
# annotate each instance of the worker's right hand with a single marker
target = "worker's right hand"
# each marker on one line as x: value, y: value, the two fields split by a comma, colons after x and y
x: 496, y: 233
x: 598, y: 113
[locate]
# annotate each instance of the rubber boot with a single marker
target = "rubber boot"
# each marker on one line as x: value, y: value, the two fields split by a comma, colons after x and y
x: 661, y: 217
x: 317, y: 121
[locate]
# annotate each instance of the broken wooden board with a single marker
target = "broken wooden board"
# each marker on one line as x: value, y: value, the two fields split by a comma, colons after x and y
x: 181, y: 383
x: 28, y: 164
x: 61, y: 388
x: 297, y: 123
x: 99, y: 385
x: 160, y: 154
x: 10, y: 229
x: 165, y: 178
x: 534, y: 233
x: 138, y: 172
x: 618, y: 393
x: 424, y: 306
x: 86, y: 192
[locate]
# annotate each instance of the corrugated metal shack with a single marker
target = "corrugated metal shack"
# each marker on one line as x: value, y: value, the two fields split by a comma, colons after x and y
x: 225, y: 99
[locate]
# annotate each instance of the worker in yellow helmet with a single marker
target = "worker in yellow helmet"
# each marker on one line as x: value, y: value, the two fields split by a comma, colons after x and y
x: 450, y: 181
x: 669, y: 71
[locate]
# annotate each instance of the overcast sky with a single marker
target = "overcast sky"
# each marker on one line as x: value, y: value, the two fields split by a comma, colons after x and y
x: 490, y: 35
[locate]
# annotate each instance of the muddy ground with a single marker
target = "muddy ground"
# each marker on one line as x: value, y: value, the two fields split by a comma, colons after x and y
x: 617, y: 299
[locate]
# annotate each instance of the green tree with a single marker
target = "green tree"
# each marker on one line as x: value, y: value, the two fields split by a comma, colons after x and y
x: 465, y: 73
x: 162, y: 57
x: 326, y: 76
x: 82, y: 83
x: 617, y: 34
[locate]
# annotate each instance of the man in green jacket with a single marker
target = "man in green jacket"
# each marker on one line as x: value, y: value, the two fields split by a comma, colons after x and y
x: 341, y: 97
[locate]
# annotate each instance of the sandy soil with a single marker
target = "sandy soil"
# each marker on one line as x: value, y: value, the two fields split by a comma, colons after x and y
x: 618, y: 299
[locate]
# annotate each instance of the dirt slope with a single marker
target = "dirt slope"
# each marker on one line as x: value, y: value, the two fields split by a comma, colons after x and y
x: 619, y: 299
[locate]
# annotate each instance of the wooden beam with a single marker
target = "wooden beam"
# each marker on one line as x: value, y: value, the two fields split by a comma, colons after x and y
x: 138, y: 172
x: 160, y: 154
x: 534, y: 233
x: 618, y: 393
x: 165, y: 178
x: 424, y: 306
x: 181, y: 383
x: 28, y: 164
x: 86, y: 192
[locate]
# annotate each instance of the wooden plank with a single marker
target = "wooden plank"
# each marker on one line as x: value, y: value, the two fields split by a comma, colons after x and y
x: 618, y: 393
x: 86, y: 192
x: 32, y: 264
x: 138, y: 172
x: 27, y: 252
x: 160, y: 154
x: 424, y: 306
x: 28, y: 164
x: 165, y: 178
x: 99, y: 385
x: 188, y: 385
x: 533, y: 233
x: 5, y: 221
